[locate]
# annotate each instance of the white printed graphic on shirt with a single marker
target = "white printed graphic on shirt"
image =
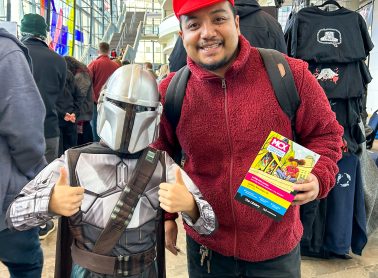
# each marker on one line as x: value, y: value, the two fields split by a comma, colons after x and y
x: 329, y: 36
x: 343, y: 180
x: 327, y: 74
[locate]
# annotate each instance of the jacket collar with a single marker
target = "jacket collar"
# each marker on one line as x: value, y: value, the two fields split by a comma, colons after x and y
x: 34, y: 41
x: 237, y: 66
x: 103, y: 56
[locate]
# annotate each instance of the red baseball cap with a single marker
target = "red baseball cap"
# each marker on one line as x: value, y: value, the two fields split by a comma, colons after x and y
x: 181, y: 7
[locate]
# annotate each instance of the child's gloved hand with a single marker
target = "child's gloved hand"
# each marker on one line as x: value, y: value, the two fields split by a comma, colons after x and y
x: 65, y: 200
x: 177, y: 198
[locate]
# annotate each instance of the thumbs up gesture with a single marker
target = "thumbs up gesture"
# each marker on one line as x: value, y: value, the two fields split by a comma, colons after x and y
x: 176, y: 197
x: 65, y: 200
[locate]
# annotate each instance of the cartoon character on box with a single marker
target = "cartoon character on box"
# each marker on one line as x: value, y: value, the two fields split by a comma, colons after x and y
x: 264, y: 162
x: 271, y: 167
x: 292, y: 170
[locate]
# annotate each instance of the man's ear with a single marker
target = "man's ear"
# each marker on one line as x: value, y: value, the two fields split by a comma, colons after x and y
x: 237, y: 24
x: 181, y: 34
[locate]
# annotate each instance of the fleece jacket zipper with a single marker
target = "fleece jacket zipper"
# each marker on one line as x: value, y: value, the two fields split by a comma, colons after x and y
x: 224, y: 87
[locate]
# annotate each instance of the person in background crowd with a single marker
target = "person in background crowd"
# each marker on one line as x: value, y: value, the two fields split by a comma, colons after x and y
x: 148, y: 66
x: 117, y: 61
x: 68, y: 106
x: 49, y: 71
x: 257, y: 26
x: 100, y: 70
x: 22, y: 148
x: 83, y: 83
x: 163, y: 72
x: 228, y: 111
x: 113, y: 54
x: 122, y: 52
x: 125, y: 62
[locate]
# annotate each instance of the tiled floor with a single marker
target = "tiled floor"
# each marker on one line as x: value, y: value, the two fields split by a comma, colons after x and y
x: 358, y: 267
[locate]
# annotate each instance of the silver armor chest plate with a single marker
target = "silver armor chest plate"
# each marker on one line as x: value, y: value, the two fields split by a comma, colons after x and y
x: 104, y: 176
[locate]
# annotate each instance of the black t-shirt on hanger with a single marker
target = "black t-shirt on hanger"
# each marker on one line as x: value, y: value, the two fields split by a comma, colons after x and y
x: 348, y: 113
x: 339, y: 36
x: 341, y: 80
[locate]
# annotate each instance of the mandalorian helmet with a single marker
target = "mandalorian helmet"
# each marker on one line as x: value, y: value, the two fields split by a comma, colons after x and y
x: 129, y: 110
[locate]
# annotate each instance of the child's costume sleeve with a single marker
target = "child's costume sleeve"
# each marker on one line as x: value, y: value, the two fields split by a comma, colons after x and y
x: 207, y: 222
x: 31, y: 206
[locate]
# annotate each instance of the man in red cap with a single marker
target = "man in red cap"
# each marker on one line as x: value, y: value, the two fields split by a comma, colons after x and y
x: 228, y: 110
x: 257, y: 26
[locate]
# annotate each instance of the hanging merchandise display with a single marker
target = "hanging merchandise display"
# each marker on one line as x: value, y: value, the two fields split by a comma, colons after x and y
x: 346, y: 200
x: 348, y: 115
x: 335, y: 78
x: 336, y: 43
x: 336, y: 224
x: 338, y: 36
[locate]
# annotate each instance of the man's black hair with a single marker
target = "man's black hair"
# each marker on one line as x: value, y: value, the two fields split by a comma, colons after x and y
x: 233, y: 10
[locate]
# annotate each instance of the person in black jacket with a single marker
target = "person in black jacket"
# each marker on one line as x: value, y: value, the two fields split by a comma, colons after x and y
x: 68, y: 107
x: 83, y: 82
x: 257, y: 26
x: 49, y: 71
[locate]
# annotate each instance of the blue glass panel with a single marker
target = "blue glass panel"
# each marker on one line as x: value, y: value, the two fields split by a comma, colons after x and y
x: 79, y: 36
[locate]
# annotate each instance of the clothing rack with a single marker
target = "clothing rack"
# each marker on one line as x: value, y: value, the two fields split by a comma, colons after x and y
x: 298, y: 4
x: 371, y: 2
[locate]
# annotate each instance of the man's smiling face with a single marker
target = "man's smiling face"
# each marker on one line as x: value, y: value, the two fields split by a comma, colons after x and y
x: 211, y: 35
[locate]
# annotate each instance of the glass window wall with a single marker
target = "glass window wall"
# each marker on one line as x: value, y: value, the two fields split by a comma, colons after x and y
x: 77, y: 26
x: 73, y: 24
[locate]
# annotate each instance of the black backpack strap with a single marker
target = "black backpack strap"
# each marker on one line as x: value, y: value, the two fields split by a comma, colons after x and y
x: 175, y: 96
x: 174, y: 99
x: 282, y: 80
x: 123, y: 210
x: 160, y: 231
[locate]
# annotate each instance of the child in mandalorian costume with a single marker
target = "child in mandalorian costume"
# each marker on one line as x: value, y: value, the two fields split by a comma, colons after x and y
x: 116, y: 230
